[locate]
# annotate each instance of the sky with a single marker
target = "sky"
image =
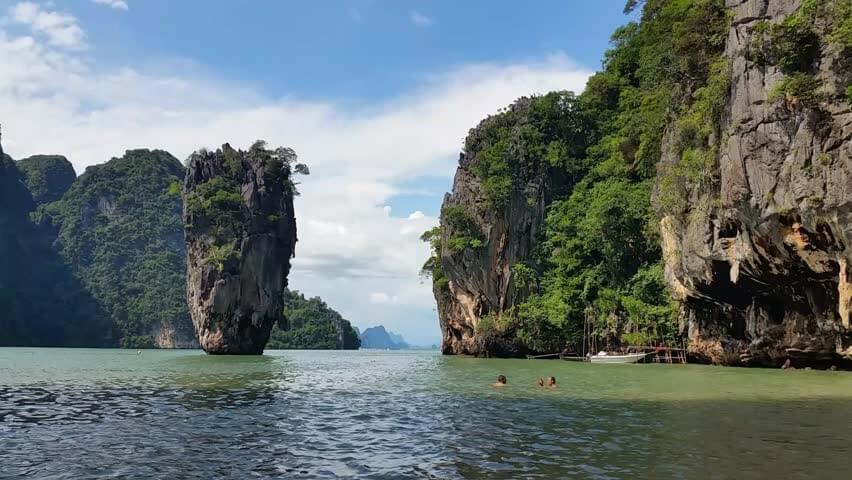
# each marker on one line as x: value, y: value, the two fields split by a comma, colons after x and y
x: 376, y: 96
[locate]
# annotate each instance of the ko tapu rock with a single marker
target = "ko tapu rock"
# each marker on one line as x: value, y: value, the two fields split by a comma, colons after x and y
x: 240, y: 232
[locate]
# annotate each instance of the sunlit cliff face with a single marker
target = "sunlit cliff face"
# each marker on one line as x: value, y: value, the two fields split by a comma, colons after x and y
x: 761, y: 263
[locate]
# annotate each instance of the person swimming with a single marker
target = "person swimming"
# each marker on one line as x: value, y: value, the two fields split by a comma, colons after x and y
x: 501, y: 381
x: 550, y: 383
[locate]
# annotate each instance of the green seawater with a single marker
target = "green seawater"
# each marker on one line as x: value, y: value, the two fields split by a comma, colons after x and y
x: 79, y: 413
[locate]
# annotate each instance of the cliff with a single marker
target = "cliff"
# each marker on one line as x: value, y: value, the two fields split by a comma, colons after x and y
x: 16, y: 199
x: 492, y: 222
x: 240, y: 232
x: 48, y: 177
x: 761, y: 259
x: 700, y: 194
x: 42, y: 302
x: 119, y: 229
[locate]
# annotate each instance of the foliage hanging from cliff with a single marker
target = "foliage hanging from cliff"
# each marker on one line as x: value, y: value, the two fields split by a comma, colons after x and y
x: 794, y: 46
x: 216, y: 205
x: 120, y: 231
x: 465, y: 231
x: 312, y: 325
x: 432, y: 267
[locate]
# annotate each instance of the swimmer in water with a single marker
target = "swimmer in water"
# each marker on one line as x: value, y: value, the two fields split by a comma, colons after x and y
x: 501, y: 381
x: 550, y: 383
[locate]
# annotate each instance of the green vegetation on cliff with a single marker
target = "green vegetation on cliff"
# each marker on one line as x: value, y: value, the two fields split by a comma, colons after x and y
x: 48, y: 177
x: 512, y: 147
x: 312, y: 325
x: 216, y: 205
x: 120, y: 230
x: 794, y: 46
x: 599, y: 257
x: 41, y: 301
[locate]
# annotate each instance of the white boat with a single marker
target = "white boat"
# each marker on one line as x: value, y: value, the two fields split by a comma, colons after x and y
x: 603, y: 357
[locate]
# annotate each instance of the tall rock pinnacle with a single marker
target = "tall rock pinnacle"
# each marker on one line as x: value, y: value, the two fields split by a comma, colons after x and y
x: 240, y: 236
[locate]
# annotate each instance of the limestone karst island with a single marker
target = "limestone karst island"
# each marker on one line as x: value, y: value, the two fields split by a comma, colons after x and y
x: 399, y: 239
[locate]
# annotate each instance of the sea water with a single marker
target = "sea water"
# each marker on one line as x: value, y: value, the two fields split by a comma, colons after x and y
x: 81, y: 413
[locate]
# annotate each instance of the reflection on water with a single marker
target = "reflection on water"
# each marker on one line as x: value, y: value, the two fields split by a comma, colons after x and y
x: 93, y: 413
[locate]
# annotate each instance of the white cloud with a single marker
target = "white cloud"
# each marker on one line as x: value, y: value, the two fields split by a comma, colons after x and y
x: 116, y: 4
x: 350, y: 246
x: 61, y: 29
x: 419, y: 19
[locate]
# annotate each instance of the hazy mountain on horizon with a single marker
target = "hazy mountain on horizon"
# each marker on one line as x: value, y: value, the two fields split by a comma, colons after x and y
x: 380, y: 338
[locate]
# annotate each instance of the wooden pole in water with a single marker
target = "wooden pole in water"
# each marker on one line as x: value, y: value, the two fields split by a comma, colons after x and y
x: 589, y: 316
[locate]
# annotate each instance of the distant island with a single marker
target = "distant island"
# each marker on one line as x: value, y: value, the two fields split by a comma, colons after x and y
x: 310, y: 324
x: 380, y: 338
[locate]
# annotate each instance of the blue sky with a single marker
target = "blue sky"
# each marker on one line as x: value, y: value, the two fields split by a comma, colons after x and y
x: 376, y: 96
x: 356, y: 50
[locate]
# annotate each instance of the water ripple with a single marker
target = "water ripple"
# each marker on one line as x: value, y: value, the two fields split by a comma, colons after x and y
x: 321, y: 415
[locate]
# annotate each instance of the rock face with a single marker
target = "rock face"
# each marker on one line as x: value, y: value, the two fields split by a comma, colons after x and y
x: 240, y: 236
x: 479, y: 281
x: 762, y: 265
